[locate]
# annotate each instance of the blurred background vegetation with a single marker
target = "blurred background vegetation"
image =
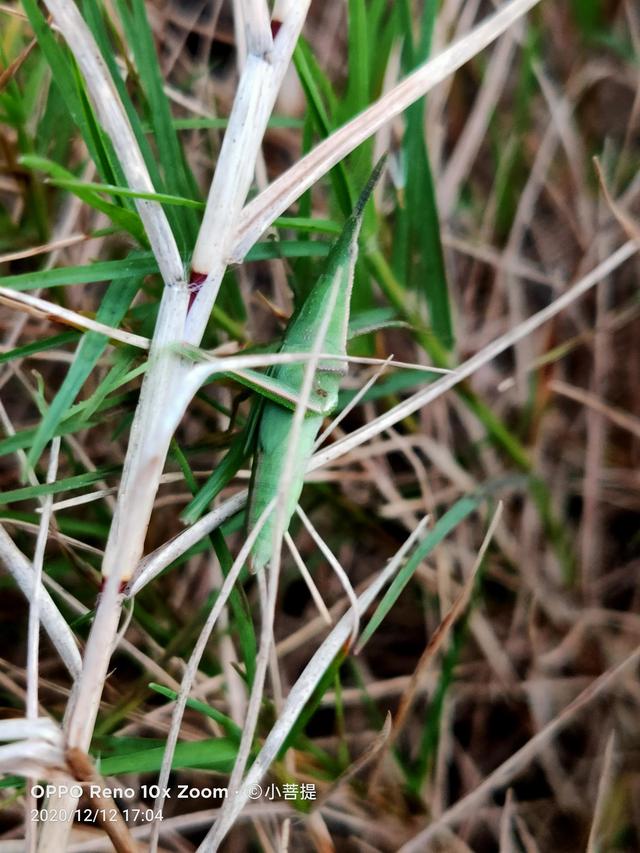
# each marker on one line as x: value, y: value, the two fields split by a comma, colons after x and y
x: 491, y: 206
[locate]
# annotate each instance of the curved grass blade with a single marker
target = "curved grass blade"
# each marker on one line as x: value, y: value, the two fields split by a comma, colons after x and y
x: 232, y: 729
x: 124, y: 218
x: 423, y: 258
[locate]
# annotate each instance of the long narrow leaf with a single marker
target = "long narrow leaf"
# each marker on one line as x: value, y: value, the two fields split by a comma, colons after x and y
x: 113, y: 307
x: 214, y: 754
x: 443, y: 527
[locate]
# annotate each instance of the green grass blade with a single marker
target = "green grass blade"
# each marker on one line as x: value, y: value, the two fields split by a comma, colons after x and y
x: 316, y: 88
x: 213, y: 754
x: 442, y: 528
x: 383, y: 33
x: 423, y: 266
x: 123, y: 192
x: 358, y: 88
x: 66, y: 484
x: 113, y: 308
x: 122, y: 217
x: 178, y: 179
x: 120, y: 374
x: 137, y: 263
x: 143, y: 263
x: 233, y: 731
x: 39, y: 346
x: 309, y: 223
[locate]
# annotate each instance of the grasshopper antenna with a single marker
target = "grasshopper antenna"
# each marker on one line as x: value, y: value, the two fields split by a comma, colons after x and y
x: 370, y: 185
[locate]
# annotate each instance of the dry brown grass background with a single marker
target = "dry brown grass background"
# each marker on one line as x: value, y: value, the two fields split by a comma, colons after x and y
x: 537, y: 736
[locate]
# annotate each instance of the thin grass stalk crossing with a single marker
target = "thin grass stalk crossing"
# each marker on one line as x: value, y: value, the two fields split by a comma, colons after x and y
x: 163, y: 556
x: 33, y: 632
x: 301, y: 692
x: 192, y: 667
x: 272, y: 202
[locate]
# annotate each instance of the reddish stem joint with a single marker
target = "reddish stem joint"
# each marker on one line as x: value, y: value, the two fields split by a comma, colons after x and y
x: 196, y: 280
x: 121, y: 586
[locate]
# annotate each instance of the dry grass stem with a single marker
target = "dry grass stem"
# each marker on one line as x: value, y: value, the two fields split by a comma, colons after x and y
x: 41, y: 308
x: 467, y: 368
x: 192, y: 667
x: 301, y: 692
x: 52, y: 621
x: 261, y: 212
x: 503, y: 774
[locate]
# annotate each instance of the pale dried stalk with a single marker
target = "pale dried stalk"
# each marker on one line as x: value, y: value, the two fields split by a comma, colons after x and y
x: 340, y: 573
x: 311, y: 586
x: 43, y: 308
x: 156, y: 562
x: 192, y: 668
x: 35, y: 749
x: 33, y: 633
x: 52, y: 621
x: 257, y: 24
x: 150, y: 434
x: 300, y: 693
x: 261, y: 212
x: 260, y: 82
x: 507, y: 771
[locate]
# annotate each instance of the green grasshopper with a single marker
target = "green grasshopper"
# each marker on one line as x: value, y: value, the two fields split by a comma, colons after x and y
x: 331, y: 293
